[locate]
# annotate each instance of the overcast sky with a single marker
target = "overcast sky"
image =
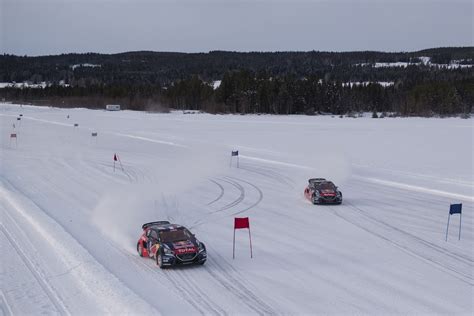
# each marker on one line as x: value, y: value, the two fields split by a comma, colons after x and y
x: 40, y: 27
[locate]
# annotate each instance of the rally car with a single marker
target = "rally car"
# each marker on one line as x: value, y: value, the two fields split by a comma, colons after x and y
x: 170, y: 244
x: 322, y: 191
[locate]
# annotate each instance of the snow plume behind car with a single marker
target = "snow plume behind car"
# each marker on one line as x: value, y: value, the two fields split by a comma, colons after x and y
x: 160, y: 196
x: 332, y: 164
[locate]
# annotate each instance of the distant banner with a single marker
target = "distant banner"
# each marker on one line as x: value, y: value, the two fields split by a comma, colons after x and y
x: 13, y: 137
x: 455, y: 209
x: 235, y: 153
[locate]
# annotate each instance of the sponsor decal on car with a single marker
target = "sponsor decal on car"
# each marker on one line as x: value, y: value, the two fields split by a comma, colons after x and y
x: 183, y: 247
x: 328, y: 193
x: 185, y: 250
x: 154, y: 248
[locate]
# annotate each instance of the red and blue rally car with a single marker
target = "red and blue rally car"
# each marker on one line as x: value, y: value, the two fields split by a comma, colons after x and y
x: 170, y: 245
x: 322, y: 191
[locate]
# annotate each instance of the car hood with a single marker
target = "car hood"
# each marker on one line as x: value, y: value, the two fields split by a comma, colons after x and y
x: 181, y: 247
x: 328, y: 192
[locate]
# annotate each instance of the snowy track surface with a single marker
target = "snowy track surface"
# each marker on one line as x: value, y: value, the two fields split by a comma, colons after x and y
x: 70, y: 223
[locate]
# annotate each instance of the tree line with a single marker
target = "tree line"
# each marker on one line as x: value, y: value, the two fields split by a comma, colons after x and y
x: 278, y: 83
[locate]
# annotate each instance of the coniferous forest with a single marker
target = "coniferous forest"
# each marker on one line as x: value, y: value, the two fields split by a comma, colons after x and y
x: 430, y: 82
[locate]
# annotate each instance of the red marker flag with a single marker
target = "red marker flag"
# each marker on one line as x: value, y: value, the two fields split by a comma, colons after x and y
x: 117, y: 158
x: 13, y: 136
x: 240, y: 223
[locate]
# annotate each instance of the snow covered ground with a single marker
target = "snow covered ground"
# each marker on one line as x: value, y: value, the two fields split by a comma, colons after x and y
x: 69, y: 223
x: 426, y: 61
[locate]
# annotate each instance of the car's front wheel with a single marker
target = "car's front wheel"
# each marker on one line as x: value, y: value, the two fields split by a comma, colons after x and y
x: 159, y: 261
x: 340, y: 198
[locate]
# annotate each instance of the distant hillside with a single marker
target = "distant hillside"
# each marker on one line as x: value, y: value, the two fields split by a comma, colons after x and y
x: 426, y: 82
x: 163, y: 67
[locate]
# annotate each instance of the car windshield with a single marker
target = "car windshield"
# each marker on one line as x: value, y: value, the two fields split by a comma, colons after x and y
x: 175, y: 235
x: 327, y: 186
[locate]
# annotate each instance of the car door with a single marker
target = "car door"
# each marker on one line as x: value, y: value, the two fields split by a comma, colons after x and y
x: 154, y: 242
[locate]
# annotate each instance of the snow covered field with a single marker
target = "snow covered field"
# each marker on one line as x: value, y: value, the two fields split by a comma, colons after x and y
x: 69, y: 223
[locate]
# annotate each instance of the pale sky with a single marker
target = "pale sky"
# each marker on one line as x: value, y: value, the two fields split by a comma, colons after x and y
x: 41, y: 27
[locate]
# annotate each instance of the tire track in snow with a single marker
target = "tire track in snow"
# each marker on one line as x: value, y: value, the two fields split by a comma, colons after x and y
x: 235, y: 182
x: 185, y: 276
x: 235, y: 286
x: 37, y: 274
x: 221, y: 194
x: 239, y: 199
x: 130, y: 173
x: 416, y: 175
x: 454, y: 255
x: 177, y: 287
x: 410, y: 187
x: 179, y: 277
x: 193, y: 295
x: 435, y: 263
x: 270, y: 174
x: 235, y: 202
x: 103, y: 175
x: 133, y: 174
x: 98, y: 282
x: 223, y: 277
x: 4, y: 306
x: 449, y: 253
x: 414, y: 195
x: 417, y: 205
x: 260, y: 196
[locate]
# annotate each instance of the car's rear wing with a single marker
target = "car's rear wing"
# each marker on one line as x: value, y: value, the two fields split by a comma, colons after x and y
x: 145, y: 226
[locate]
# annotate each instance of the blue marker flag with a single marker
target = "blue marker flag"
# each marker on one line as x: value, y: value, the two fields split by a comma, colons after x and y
x: 455, y: 209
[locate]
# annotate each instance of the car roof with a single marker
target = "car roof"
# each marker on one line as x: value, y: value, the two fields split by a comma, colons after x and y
x: 166, y: 227
x: 324, y: 182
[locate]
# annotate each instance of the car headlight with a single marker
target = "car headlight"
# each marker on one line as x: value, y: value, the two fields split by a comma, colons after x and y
x: 167, y: 251
x: 201, y: 247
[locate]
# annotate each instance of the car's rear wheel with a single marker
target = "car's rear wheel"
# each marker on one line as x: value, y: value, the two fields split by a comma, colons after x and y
x: 140, y: 249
